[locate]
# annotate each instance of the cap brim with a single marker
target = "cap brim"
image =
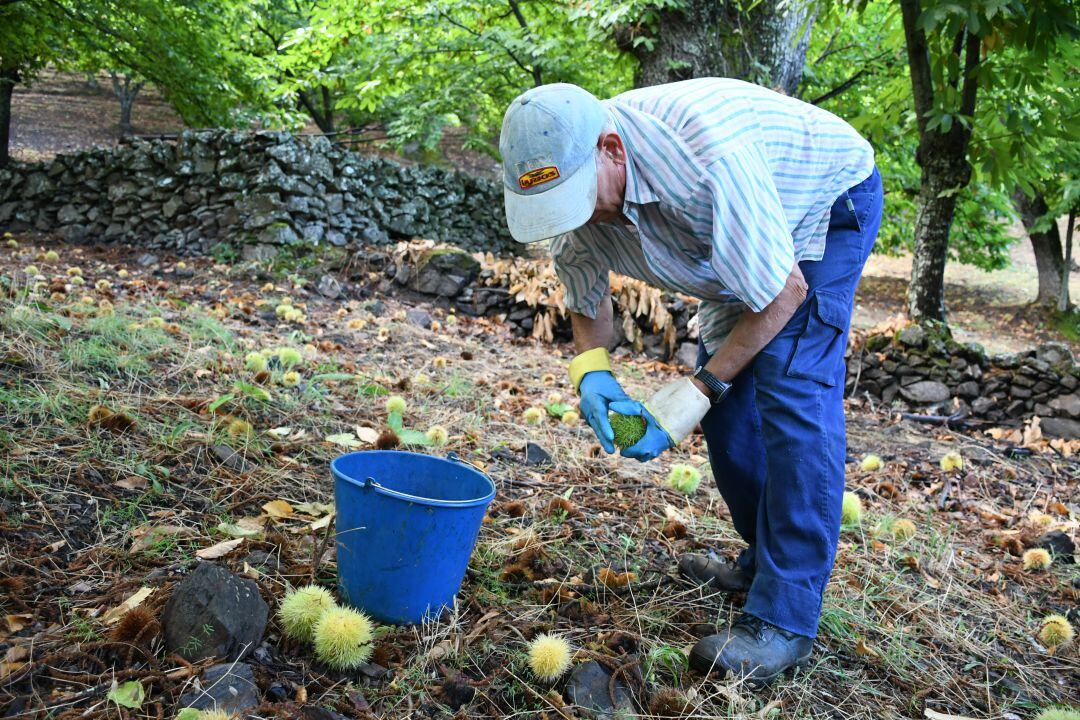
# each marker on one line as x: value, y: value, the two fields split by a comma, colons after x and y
x: 547, y: 214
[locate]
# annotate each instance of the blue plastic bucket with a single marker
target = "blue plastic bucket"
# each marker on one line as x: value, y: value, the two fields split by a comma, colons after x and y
x: 406, y: 527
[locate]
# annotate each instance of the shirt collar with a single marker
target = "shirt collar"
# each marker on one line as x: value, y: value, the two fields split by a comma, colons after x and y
x: 638, y: 190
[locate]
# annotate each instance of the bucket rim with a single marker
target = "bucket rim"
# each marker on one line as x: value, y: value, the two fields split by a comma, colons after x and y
x: 362, y: 483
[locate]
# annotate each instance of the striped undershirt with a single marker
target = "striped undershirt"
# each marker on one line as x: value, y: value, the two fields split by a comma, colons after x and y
x: 728, y: 185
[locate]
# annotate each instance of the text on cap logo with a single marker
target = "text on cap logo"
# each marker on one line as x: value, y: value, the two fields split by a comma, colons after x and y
x: 538, y: 177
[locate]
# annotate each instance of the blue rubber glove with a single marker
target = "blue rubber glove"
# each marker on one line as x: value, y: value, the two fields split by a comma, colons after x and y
x: 598, y: 390
x: 656, y: 440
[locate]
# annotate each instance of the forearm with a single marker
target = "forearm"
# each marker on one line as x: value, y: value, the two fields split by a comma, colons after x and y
x: 595, y: 332
x: 754, y: 330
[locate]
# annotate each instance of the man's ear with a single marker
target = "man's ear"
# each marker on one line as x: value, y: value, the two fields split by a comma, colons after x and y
x: 612, y: 144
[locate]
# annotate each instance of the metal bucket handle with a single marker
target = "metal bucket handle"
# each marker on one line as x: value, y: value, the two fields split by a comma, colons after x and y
x: 370, y: 482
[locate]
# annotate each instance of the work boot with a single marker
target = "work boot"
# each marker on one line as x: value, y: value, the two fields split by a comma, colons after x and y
x: 716, y: 572
x: 751, y: 649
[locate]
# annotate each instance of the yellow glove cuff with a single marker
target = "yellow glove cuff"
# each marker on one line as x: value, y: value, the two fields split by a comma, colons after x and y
x: 587, y: 362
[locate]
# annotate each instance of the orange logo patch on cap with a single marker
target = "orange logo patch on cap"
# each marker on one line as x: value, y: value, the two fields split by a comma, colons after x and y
x: 538, y: 177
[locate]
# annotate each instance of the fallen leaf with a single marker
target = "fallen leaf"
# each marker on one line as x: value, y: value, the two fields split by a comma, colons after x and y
x: 132, y: 482
x: 242, y: 528
x: 7, y: 669
x: 1033, y: 434
x: 864, y: 650
x: 314, y: 509
x: 16, y: 653
x: 934, y: 715
x: 345, y: 440
x: 322, y: 522
x: 279, y: 432
x: 366, y: 434
x: 15, y: 623
x: 145, y: 536
x: 130, y: 695
x: 132, y: 602
x: 278, y: 509
x: 443, y: 649
x: 220, y: 549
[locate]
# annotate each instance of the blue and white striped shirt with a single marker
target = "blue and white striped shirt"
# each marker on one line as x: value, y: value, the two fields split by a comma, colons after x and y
x: 728, y: 185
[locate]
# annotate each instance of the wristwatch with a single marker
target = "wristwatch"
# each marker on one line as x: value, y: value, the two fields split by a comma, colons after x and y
x: 719, y: 388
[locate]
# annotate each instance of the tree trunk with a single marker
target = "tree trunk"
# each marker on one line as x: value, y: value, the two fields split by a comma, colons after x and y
x: 1063, y: 297
x: 125, y: 93
x: 1046, y: 245
x: 320, y: 107
x: 766, y: 45
x: 942, y: 178
x: 942, y: 156
x: 9, y: 77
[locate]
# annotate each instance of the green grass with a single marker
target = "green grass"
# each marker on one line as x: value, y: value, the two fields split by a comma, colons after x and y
x: 1068, y: 324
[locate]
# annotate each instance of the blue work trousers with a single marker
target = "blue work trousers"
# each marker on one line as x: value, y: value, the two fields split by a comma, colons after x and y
x: 777, y: 442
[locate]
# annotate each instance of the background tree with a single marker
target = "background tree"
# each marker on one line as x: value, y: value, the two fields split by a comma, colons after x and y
x: 184, y: 48
x: 951, y: 48
x: 126, y: 87
x: 763, y: 41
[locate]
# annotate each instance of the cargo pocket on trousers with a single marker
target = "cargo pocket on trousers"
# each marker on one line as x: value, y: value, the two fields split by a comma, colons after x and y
x: 819, y: 351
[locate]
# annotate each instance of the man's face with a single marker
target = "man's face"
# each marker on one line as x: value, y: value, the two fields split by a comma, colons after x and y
x: 610, y: 179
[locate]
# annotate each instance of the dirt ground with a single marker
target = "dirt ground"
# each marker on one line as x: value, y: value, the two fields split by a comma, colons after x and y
x: 135, y: 437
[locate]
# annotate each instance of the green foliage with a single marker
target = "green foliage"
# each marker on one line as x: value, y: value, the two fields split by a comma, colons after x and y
x: 182, y: 47
x: 1024, y: 128
x: 421, y: 67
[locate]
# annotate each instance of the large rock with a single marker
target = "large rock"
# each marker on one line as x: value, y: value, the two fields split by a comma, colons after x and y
x: 1065, y: 428
x: 925, y: 392
x: 213, y: 613
x: 687, y: 354
x: 444, y: 272
x: 1066, y: 405
x: 1054, y: 353
x: 912, y: 336
x: 228, y: 687
x: 588, y: 687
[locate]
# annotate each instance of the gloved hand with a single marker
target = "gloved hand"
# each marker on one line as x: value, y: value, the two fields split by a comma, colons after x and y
x: 599, y: 390
x: 656, y: 439
x: 670, y: 415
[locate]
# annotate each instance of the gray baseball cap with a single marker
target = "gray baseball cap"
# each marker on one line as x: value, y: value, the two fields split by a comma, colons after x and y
x: 547, y: 143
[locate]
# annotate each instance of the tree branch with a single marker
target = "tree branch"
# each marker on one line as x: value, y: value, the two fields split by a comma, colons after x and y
x: 971, y: 80
x: 918, y: 54
x: 474, y: 33
x: 958, y: 46
x: 839, y: 88
x: 537, y: 79
x: 842, y: 87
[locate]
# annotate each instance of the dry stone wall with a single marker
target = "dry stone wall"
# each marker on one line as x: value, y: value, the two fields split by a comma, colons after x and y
x: 260, y: 191
x: 924, y: 369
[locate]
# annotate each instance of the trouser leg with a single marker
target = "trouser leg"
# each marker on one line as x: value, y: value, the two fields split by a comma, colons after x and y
x: 798, y: 396
x: 732, y: 432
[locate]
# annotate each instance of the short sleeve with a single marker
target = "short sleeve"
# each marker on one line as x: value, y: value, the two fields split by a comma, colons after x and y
x: 752, y: 249
x: 583, y: 272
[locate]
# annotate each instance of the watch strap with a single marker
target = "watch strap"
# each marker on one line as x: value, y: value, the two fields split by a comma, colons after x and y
x: 719, y: 387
